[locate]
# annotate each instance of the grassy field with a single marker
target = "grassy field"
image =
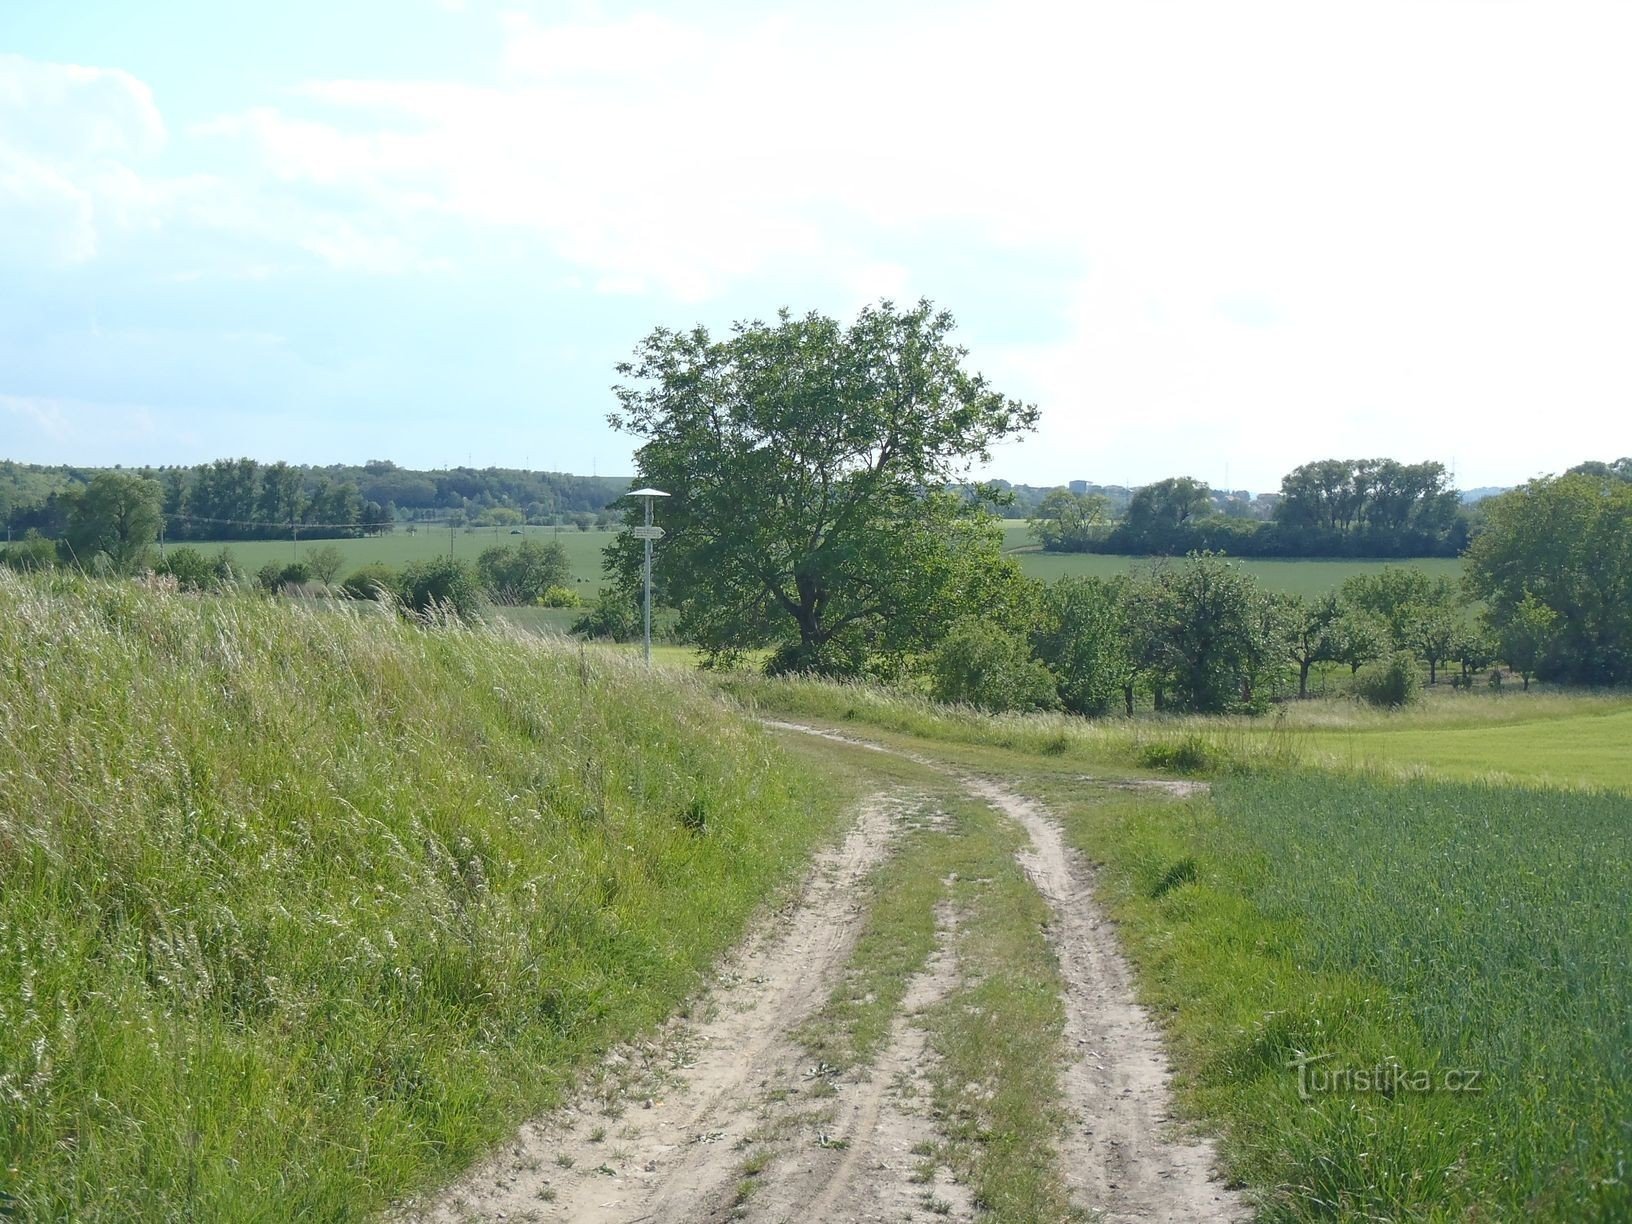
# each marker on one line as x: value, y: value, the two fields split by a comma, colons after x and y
x: 1314, y: 577
x: 1566, y: 740
x: 397, y: 548
x: 1445, y: 960
x: 1311, y: 577
x: 1399, y: 998
x: 300, y: 909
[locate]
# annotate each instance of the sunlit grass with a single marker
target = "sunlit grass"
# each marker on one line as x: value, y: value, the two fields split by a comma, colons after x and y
x: 1564, y: 739
x: 300, y: 909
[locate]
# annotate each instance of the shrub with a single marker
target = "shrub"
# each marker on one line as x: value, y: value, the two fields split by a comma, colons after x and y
x: 32, y: 552
x: 522, y: 573
x: 1390, y: 683
x: 560, y: 597
x: 980, y: 664
x: 275, y: 577
x: 371, y: 582
x: 612, y: 618
x: 191, y: 569
x: 1188, y: 755
x: 441, y: 585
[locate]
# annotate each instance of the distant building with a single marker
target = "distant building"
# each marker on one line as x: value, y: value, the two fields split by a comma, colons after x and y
x: 1078, y: 486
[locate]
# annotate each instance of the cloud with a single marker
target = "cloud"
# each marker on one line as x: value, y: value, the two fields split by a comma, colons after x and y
x: 73, y: 141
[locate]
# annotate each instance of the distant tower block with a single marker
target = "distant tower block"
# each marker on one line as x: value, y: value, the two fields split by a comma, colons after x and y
x: 1079, y: 486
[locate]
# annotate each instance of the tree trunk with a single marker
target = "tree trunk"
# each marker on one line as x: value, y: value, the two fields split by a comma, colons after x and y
x: 1303, y: 681
x: 1127, y: 696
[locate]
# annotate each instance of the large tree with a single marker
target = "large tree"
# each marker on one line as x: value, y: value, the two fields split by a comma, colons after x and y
x: 115, y: 516
x: 806, y: 462
x: 1563, y: 544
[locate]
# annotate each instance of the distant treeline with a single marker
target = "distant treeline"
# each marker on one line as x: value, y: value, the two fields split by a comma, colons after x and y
x: 242, y: 499
x: 1330, y: 508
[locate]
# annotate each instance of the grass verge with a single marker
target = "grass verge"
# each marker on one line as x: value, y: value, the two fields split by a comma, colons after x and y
x: 299, y: 911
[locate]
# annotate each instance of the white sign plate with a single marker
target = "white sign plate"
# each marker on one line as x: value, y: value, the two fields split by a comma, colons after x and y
x: 647, y: 533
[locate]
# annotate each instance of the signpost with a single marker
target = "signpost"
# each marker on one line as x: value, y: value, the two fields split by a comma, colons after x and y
x: 648, y: 533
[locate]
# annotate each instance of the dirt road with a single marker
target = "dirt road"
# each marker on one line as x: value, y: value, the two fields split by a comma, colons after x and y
x: 723, y: 1116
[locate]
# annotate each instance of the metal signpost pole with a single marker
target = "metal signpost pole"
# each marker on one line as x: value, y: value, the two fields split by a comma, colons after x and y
x: 647, y: 533
x: 648, y: 542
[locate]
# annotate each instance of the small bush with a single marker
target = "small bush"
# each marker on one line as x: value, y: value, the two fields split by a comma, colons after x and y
x: 372, y: 581
x: 613, y: 618
x: 32, y: 552
x: 1390, y: 683
x: 191, y: 569
x: 443, y: 584
x: 275, y: 577
x: 1188, y: 755
x: 560, y: 597
x: 980, y: 664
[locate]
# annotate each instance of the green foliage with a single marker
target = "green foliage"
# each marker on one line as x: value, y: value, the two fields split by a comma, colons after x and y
x: 1159, y: 514
x: 1081, y: 637
x: 1399, y: 597
x: 798, y: 455
x: 324, y: 563
x: 303, y: 910
x: 560, y: 597
x: 614, y: 617
x: 118, y: 517
x: 1189, y: 754
x: 1209, y: 638
x: 1565, y: 544
x: 1389, y: 683
x: 1070, y: 522
x: 192, y: 570
x: 32, y: 552
x: 443, y: 586
x: 372, y: 581
x: 520, y: 573
x: 980, y: 664
x: 275, y: 576
x: 1525, y: 635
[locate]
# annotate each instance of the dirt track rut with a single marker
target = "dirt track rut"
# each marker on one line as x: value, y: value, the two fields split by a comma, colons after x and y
x: 664, y: 1132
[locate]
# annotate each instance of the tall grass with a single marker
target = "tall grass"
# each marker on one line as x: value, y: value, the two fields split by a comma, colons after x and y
x: 300, y: 910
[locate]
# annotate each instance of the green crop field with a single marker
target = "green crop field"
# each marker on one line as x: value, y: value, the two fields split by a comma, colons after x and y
x: 398, y: 548
x: 1402, y: 1000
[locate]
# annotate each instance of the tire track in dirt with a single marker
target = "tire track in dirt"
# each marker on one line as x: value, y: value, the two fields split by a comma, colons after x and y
x: 1122, y: 1158
x: 660, y: 1138
x: 882, y: 1118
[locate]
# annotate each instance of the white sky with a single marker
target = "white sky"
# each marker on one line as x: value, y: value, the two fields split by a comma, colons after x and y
x: 1206, y: 239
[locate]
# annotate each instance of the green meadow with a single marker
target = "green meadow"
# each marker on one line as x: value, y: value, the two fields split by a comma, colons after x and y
x: 398, y: 548
x: 1309, y: 577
